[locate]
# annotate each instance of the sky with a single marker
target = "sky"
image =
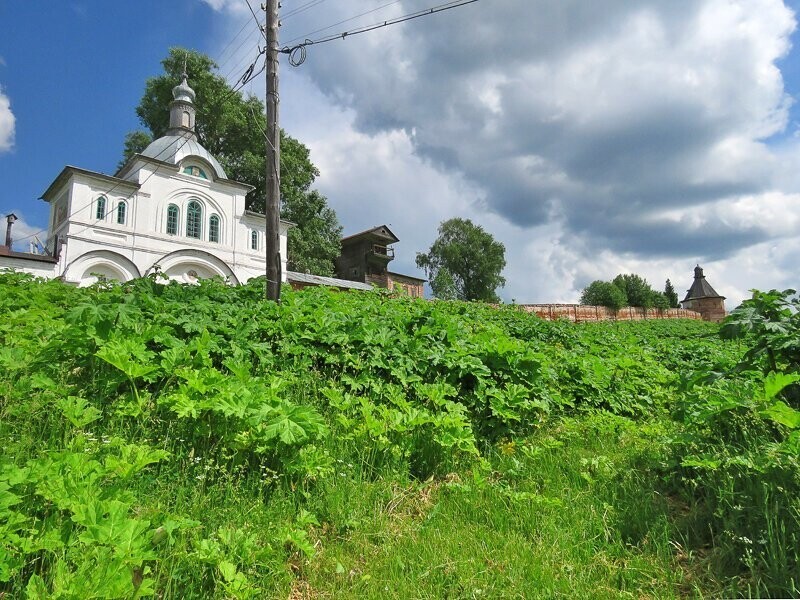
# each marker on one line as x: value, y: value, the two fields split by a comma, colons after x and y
x: 590, y: 138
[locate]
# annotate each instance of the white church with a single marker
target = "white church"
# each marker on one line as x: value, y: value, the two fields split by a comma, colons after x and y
x: 171, y: 208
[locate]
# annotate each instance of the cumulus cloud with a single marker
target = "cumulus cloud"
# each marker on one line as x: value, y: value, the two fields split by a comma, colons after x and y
x: 232, y: 6
x: 7, y: 123
x: 592, y: 138
x: 22, y: 232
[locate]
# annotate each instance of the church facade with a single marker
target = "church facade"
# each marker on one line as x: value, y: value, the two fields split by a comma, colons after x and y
x: 171, y: 209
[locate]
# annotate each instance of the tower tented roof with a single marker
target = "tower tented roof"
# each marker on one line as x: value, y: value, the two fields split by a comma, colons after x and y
x: 700, y: 287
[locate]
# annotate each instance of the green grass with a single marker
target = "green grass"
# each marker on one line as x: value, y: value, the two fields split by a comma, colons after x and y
x: 555, y: 516
x: 195, y: 442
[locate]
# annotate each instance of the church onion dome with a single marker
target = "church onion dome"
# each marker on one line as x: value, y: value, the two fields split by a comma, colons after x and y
x: 173, y: 149
x: 183, y: 92
x: 180, y: 140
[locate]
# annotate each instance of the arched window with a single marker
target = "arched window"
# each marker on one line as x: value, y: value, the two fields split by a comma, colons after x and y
x: 213, y: 229
x: 196, y: 171
x: 100, y: 213
x: 254, y: 240
x: 186, y: 119
x: 194, y: 220
x: 122, y: 209
x: 172, y: 219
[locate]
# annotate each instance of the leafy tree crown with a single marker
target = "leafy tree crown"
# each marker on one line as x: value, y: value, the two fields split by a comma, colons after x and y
x: 465, y: 262
x: 230, y: 126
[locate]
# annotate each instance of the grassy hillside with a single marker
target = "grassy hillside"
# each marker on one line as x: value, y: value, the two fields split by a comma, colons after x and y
x: 197, y: 442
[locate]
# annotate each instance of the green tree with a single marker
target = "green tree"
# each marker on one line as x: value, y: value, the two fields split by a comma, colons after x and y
x: 231, y: 126
x: 464, y: 262
x: 313, y: 247
x: 603, y: 293
x: 658, y: 300
x: 636, y: 289
x: 671, y: 295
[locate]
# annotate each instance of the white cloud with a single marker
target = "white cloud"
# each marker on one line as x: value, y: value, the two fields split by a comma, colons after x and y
x: 231, y: 6
x: 21, y: 231
x: 7, y: 123
x: 591, y: 138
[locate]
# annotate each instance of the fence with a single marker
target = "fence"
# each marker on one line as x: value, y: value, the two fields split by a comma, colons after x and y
x: 579, y: 313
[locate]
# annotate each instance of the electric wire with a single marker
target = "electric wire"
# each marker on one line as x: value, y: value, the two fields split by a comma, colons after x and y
x: 246, y: 40
x: 247, y: 76
x: 301, y: 8
x: 297, y: 53
x: 233, y: 39
x: 255, y: 18
x: 108, y: 193
x: 275, y: 168
x: 342, y: 22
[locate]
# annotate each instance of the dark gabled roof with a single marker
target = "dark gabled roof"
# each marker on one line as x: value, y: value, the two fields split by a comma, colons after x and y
x: 700, y: 287
x: 381, y: 232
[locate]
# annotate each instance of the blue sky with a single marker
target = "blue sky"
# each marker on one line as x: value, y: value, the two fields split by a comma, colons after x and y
x: 74, y: 72
x: 591, y: 138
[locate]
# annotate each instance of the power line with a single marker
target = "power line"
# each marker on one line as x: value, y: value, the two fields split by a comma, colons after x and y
x: 233, y: 39
x: 108, y: 193
x: 249, y: 74
x: 245, y: 78
x: 369, y: 12
x: 297, y: 53
x: 302, y: 8
x: 246, y: 39
x: 255, y: 18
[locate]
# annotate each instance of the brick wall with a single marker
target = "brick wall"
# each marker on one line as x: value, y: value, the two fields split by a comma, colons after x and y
x: 410, y: 285
x: 579, y: 313
x: 710, y: 309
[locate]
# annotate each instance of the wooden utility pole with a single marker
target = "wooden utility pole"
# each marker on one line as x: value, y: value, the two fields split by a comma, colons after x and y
x: 273, y: 152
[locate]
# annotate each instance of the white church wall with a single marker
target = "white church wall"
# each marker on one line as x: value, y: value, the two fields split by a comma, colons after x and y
x: 98, y: 240
x: 36, y: 268
x: 143, y: 240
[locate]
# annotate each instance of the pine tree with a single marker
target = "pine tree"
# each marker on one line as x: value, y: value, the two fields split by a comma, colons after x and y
x: 671, y: 295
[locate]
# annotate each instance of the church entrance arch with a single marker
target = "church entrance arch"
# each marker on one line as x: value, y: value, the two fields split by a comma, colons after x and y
x: 92, y: 266
x: 187, y: 266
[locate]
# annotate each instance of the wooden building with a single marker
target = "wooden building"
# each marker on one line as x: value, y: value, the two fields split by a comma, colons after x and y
x: 366, y: 256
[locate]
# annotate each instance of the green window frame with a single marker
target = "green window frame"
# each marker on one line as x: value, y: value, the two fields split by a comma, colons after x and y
x: 254, y: 240
x: 100, y: 211
x: 172, y: 219
x: 196, y: 171
x: 122, y: 210
x: 194, y: 220
x: 213, y: 229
